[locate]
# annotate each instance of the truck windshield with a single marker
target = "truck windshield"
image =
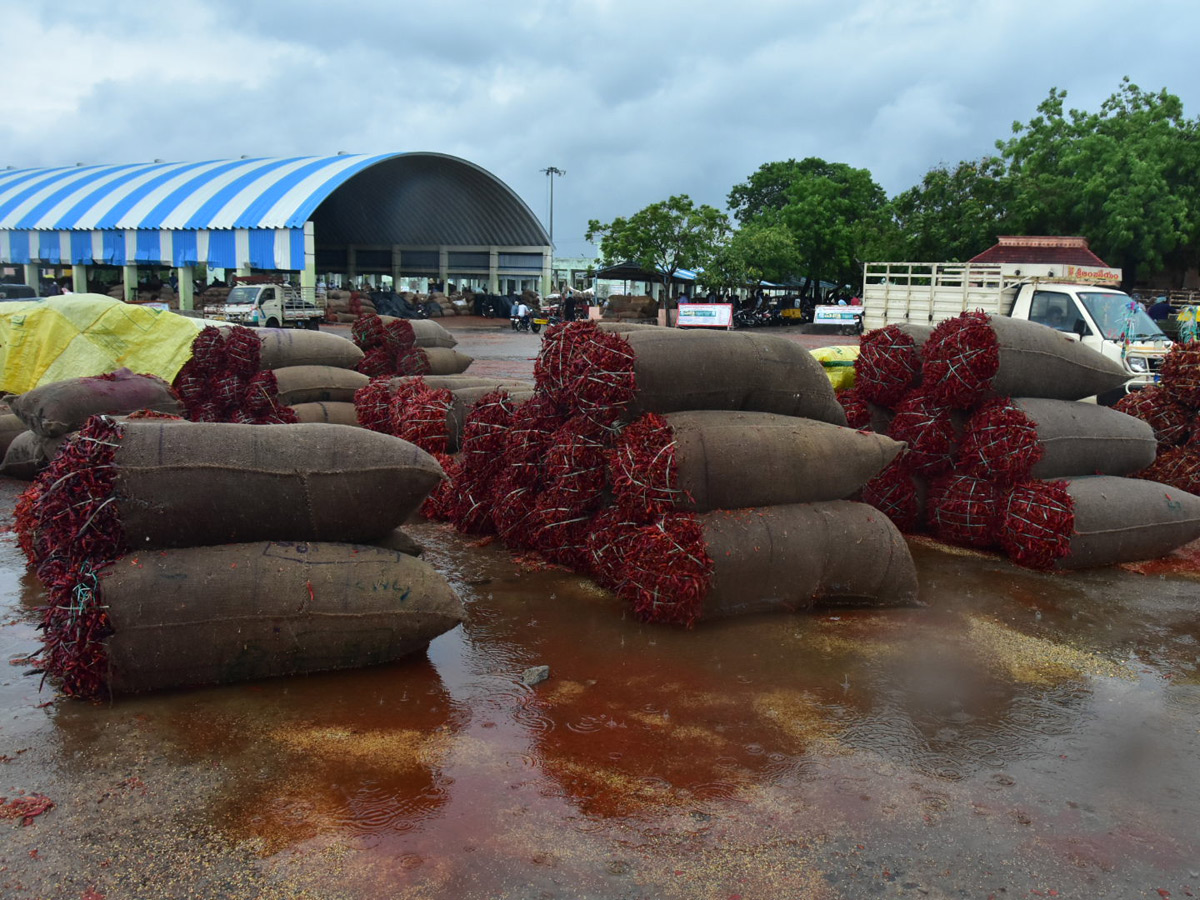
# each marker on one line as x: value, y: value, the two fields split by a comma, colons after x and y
x: 1117, y: 315
x: 244, y: 295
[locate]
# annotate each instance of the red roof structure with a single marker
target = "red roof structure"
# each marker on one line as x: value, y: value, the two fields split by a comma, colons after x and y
x: 1041, y: 249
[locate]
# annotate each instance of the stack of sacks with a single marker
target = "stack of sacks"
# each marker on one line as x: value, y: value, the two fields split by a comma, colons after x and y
x: 270, y: 376
x: 42, y: 418
x: 1172, y: 409
x: 393, y: 346
x: 178, y: 553
x: 588, y: 471
x: 989, y: 411
x: 621, y: 307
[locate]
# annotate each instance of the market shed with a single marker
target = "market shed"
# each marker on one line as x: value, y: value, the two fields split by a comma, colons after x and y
x: 401, y: 214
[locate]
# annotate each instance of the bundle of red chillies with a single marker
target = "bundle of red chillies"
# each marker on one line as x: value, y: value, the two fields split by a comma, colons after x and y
x: 858, y: 410
x: 926, y: 426
x: 1037, y: 523
x: 960, y: 359
x: 643, y: 471
x: 894, y: 492
x: 999, y: 442
x: 887, y: 366
x: 222, y: 383
x: 417, y: 414
x: 965, y: 510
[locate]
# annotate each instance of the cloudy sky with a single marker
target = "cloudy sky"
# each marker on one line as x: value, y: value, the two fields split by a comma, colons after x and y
x: 634, y: 100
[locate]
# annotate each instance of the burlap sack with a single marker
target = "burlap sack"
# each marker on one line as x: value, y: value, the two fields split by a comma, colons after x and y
x: 680, y: 370
x: 318, y: 384
x: 10, y: 427
x: 399, y: 540
x: 24, y: 457
x: 181, y: 484
x: 734, y: 460
x: 331, y: 413
x: 1120, y: 520
x: 789, y: 558
x: 63, y: 406
x: 427, y: 333
x: 286, y: 347
x: 445, y: 361
x: 458, y: 382
x: 1085, y: 439
x: 212, y: 615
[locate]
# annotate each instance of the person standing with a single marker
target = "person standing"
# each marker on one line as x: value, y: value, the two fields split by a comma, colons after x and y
x: 569, y: 305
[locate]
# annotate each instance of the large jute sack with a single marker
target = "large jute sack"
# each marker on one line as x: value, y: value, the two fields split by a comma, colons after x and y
x: 1099, y: 520
x: 286, y: 347
x: 10, y: 427
x: 62, y: 406
x: 212, y: 615
x: 666, y: 370
x: 706, y: 459
x: 318, y: 384
x: 689, y: 568
x: 401, y: 541
x: 24, y: 457
x: 1029, y: 437
x: 975, y: 356
x: 427, y: 333
x: 458, y: 382
x: 331, y: 413
x: 443, y: 360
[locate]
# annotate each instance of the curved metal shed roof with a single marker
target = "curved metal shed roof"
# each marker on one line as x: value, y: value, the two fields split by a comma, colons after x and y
x: 427, y: 198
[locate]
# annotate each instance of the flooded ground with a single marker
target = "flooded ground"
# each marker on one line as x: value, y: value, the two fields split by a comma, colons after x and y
x: 1022, y: 735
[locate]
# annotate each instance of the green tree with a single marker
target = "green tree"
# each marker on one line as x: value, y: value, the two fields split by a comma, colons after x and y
x: 755, y: 253
x: 953, y: 214
x: 1123, y: 176
x: 666, y: 236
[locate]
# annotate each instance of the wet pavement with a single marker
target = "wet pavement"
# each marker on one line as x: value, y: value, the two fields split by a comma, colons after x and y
x: 1021, y: 735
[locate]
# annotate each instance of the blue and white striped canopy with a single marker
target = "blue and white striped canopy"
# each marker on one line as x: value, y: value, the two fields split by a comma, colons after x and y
x: 224, y: 213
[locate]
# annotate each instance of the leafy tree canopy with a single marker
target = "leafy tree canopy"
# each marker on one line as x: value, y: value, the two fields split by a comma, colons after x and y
x: 755, y: 253
x: 669, y: 235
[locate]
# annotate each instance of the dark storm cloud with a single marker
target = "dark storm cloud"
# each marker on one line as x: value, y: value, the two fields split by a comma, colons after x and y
x: 636, y: 101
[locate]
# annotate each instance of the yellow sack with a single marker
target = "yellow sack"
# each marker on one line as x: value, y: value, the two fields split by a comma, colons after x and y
x: 839, y: 365
x: 89, y: 334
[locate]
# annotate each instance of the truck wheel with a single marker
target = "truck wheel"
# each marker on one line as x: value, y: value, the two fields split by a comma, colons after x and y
x: 272, y: 323
x: 313, y: 324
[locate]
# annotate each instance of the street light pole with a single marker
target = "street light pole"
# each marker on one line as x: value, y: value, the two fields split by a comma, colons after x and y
x: 550, y: 172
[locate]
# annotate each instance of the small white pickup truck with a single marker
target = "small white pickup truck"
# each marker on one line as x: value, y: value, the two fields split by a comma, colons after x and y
x: 272, y: 305
x: 1075, y: 300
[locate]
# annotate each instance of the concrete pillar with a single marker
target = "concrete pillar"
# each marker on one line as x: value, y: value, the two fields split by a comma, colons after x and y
x: 129, y: 275
x: 396, y: 267
x: 33, y: 276
x: 493, y: 271
x: 186, y: 276
x: 443, y: 266
x: 547, y: 270
x: 79, y: 279
x: 308, y: 275
x: 244, y: 271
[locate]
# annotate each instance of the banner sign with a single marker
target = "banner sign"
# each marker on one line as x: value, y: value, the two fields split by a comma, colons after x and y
x: 705, y: 315
x: 836, y: 315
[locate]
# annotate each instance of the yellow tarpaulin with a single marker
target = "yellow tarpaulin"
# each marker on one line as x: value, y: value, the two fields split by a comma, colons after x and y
x: 839, y: 365
x: 89, y: 334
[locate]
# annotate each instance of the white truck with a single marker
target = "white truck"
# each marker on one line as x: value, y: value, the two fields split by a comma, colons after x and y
x: 273, y: 304
x: 1079, y: 301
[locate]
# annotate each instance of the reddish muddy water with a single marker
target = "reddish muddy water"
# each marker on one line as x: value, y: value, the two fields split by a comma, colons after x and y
x: 1021, y: 735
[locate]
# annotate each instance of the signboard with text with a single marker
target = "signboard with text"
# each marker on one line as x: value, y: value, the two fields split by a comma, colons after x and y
x: 836, y: 315
x: 705, y: 315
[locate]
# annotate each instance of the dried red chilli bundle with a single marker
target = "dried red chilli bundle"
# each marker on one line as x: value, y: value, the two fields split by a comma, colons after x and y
x: 963, y: 509
x: 858, y: 412
x: 1000, y: 443
x: 556, y: 363
x: 367, y: 331
x: 70, y: 530
x: 897, y: 493
x: 576, y: 467
x: 413, y: 362
x: 243, y: 350
x: 642, y: 469
x: 418, y: 415
x: 471, y: 507
x: 355, y: 305
x: 398, y: 336
x: 438, y: 504
x: 610, y: 537
x: 1181, y: 374
x: 1171, y: 421
x: 153, y: 414
x: 485, y: 430
x: 560, y: 532
x: 928, y: 428
x: 604, y: 383
x: 528, y: 441
x: 262, y: 394
x: 961, y: 358
x: 1037, y: 523
x: 228, y: 390
x: 191, y: 385
x: 1175, y: 466
x: 373, y: 404
x: 513, y: 505
x: 208, y: 351
x: 376, y: 362
x: 667, y: 572
x: 888, y: 365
